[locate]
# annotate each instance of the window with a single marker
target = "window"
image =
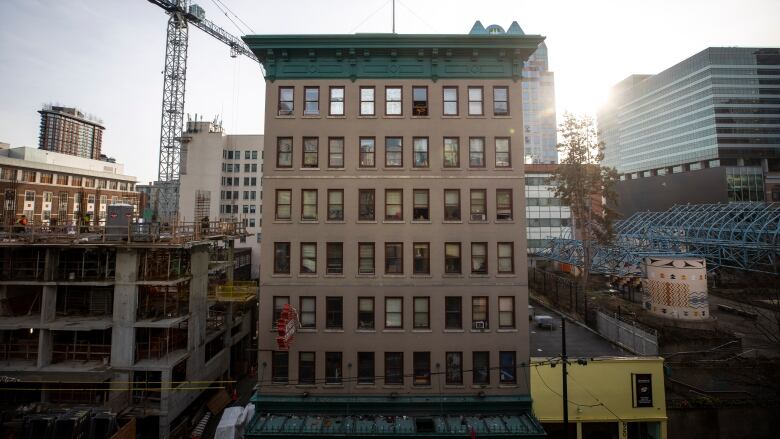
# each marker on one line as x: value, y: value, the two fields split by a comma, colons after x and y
x: 453, y: 310
x: 336, y: 101
x: 422, y: 368
x: 500, y: 101
x: 365, y: 364
x: 420, y: 152
x: 306, y: 368
x: 454, y: 368
x: 478, y: 205
x: 47, y: 177
x: 503, y: 155
x: 335, y: 255
x: 365, y: 313
x: 335, y: 204
x: 393, y: 101
x: 422, y: 314
x: 366, y: 258
x: 504, y: 204
x: 451, y: 152
x: 336, y: 152
x: 507, y: 361
x: 308, y: 257
x: 366, y: 205
x: 10, y: 174
x: 394, y: 258
x: 481, y: 368
x: 254, y: 154
x: 74, y: 181
x: 310, y: 152
x: 311, y: 96
x: 394, y: 208
x: 450, y: 95
x: 279, y: 302
x: 479, y: 312
x: 284, y: 152
x: 394, y: 152
x: 422, y: 258
x: 506, y: 260
x: 475, y: 101
x: 452, y: 258
x: 282, y: 257
x: 479, y: 258
x: 333, y: 371
x: 48, y: 195
x: 451, y: 204
x: 419, y: 101
x: 63, y: 209
x: 280, y: 364
x: 367, y: 152
x: 334, y: 313
x: 308, y: 312
x: 394, y: 312
x: 421, y: 210
x: 286, y: 98
x: 309, y: 205
x: 477, y: 152
x: 394, y: 367
x: 367, y: 101
x: 506, y: 312
x: 283, y: 204
x: 247, y: 154
x: 29, y: 176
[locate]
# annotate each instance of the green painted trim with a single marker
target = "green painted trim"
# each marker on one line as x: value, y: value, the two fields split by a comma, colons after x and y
x: 393, y: 56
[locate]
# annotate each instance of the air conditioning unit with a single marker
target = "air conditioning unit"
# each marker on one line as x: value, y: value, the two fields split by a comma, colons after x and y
x: 480, y: 324
x: 478, y: 217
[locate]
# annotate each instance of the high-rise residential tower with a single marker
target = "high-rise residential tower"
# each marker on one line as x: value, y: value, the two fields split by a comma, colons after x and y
x: 702, y: 131
x: 394, y: 236
x: 70, y: 131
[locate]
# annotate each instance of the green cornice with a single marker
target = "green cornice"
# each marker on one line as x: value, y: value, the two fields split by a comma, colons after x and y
x: 392, y: 55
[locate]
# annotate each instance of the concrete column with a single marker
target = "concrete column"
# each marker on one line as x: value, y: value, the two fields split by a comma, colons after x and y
x: 48, y: 306
x: 229, y: 310
x: 196, y: 337
x: 45, y: 344
x: 125, y: 303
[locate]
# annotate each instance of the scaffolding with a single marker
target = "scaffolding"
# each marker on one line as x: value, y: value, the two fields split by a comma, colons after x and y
x: 743, y: 236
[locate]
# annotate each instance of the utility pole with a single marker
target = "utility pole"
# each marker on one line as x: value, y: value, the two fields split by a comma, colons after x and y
x: 564, y: 359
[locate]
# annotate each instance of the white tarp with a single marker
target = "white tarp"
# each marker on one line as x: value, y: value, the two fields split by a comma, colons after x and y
x: 230, y: 423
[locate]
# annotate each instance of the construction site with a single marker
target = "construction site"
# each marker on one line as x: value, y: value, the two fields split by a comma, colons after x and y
x: 127, y: 324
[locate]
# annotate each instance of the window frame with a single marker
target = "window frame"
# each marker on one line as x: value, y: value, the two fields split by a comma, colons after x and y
x: 426, y: 313
x: 333, y: 205
x: 334, y: 317
x: 501, y: 356
x: 361, y: 313
x: 459, y: 210
x: 508, y: 152
x: 415, y: 152
x: 372, y: 246
x: 499, y: 87
x: 306, y: 100
x: 397, y: 369
x: 277, y: 367
x: 427, y: 105
x: 481, y: 100
x: 303, y: 312
x: 366, y: 375
x: 511, y: 257
x: 502, y: 207
x: 447, y: 258
x: 448, y: 300
x: 315, y: 204
x: 301, y: 268
x: 503, y: 312
x: 474, y: 207
x: 372, y: 101
x: 276, y: 312
x: 279, y: 152
x: 328, y: 258
x: 400, y: 101
x: 427, y: 206
x: 471, y: 152
x: 444, y: 100
x: 313, y: 367
x: 400, y: 313
x: 337, y: 378
x: 361, y: 204
x: 306, y: 153
x: 456, y: 372
x: 277, y: 247
x: 485, y: 270
x: 387, y: 151
x: 277, y: 216
x: 399, y: 258
x: 421, y: 368
x: 279, y: 102
x: 474, y: 315
x: 399, y: 217
x: 361, y: 153
x: 426, y: 259
x: 457, y: 153
x: 331, y: 154
x: 475, y: 369
x: 331, y: 101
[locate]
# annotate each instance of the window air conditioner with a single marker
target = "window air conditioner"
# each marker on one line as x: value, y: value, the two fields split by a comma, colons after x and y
x: 478, y: 217
x: 480, y: 324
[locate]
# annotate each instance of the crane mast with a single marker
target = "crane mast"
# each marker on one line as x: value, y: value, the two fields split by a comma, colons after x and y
x: 174, y: 81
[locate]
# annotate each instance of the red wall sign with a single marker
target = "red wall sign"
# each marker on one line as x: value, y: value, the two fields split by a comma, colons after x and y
x: 286, y: 326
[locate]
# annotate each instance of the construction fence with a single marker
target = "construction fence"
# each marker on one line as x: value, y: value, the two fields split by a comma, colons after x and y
x: 640, y: 341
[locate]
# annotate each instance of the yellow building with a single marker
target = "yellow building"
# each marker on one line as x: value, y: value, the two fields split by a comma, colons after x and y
x: 609, y: 397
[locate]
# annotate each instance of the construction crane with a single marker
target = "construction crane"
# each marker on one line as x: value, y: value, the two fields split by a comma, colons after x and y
x: 172, y: 120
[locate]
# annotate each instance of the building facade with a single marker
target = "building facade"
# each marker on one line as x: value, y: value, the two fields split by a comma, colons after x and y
x: 396, y: 177
x: 546, y: 217
x: 70, y: 131
x: 52, y: 188
x: 705, y: 130
x: 220, y: 179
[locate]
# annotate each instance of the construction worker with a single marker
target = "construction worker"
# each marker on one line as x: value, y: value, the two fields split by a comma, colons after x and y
x: 85, y: 223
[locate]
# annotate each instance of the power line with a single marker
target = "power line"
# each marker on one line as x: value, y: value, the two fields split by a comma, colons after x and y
x: 227, y: 16
x: 237, y: 17
x: 382, y: 6
x: 418, y: 17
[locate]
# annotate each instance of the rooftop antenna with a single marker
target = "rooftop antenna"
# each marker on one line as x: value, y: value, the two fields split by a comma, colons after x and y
x: 393, y: 16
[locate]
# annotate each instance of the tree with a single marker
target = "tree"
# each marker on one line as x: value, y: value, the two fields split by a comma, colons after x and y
x: 587, y: 187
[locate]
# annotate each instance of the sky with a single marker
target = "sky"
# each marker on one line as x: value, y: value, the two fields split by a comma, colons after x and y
x: 106, y: 56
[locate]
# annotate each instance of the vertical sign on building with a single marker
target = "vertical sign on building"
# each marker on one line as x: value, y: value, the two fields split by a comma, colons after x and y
x: 643, y: 390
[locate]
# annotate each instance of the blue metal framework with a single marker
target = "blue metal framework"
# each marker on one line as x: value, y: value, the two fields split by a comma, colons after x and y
x: 745, y: 236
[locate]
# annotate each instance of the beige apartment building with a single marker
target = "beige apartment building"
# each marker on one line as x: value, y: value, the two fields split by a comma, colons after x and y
x: 394, y: 227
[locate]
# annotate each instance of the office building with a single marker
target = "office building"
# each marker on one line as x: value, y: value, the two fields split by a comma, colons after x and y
x: 70, y: 131
x: 705, y: 130
x: 53, y: 188
x: 546, y: 217
x: 395, y: 173
x: 220, y: 179
x: 131, y: 318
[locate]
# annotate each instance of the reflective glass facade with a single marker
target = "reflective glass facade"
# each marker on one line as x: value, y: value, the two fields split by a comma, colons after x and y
x: 539, y: 109
x: 720, y: 107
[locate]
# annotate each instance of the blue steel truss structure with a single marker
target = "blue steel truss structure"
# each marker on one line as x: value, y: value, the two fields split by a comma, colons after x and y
x: 745, y: 236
